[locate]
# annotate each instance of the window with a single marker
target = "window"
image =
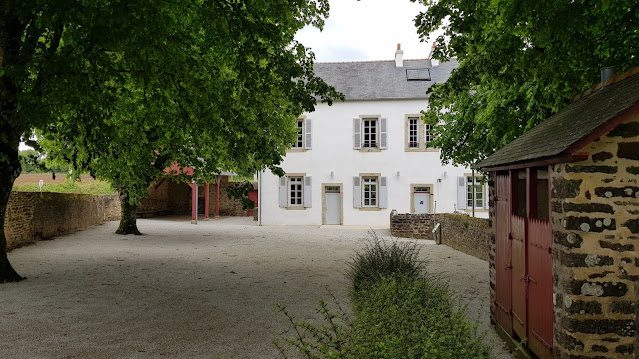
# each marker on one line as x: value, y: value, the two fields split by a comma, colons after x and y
x: 541, y: 199
x: 370, y: 132
x: 369, y: 191
x: 428, y: 134
x: 519, y: 194
x: 477, y: 189
x: 299, y: 142
x: 295, y: 190
x: 413, y: 132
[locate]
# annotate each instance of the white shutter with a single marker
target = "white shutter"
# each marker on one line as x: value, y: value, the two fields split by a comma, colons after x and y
x: 357, y: 133
x: 462, y: 201
x: 283, y: 197
x: 308, y: 199
x: 383, y: 134
x: 308, y: 128
x: 383, y: 193
x: 357, y: 193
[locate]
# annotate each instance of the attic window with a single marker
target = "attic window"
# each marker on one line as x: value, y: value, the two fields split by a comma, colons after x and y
x: 418, y: 74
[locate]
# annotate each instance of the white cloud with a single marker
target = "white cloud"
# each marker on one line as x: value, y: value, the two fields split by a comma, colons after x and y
x: 367, y: 30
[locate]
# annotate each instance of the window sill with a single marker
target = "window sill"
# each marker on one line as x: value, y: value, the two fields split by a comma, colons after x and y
x: 408, y: 149
x: 295, y: 208
x: 370, y: 209
x: 371, y: 149
x: 294, y: 149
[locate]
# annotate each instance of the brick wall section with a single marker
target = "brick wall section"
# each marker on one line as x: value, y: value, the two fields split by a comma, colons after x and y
x: 595, y: 207
x: 33, y: 216
x: 466, y: 234
x: 459, y: 231
x: 168, y: 197
x: 407, y: 225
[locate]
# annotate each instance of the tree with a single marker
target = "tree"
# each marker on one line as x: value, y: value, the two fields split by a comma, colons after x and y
x: 122, y: 88
x: 519, y: 62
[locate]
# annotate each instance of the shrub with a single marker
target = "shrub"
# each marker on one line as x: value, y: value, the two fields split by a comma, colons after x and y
x: 380, y: 259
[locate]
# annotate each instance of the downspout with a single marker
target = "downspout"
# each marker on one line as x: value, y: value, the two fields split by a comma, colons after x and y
x: 473, y: 192
x: 259, y: 198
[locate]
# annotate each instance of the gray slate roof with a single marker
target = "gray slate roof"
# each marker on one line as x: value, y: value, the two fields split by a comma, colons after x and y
x: 380, y: 80
x: 577, y: 120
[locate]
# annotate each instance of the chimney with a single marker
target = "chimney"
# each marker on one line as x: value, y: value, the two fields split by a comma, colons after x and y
x: 399, y: 56
x: 607, y: 73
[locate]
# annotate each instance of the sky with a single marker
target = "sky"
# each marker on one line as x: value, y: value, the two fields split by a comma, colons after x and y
x: 366, y: 30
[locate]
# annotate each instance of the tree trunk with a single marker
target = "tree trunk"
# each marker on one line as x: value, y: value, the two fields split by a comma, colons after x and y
x: 9, y: 171
x: 128, y: 221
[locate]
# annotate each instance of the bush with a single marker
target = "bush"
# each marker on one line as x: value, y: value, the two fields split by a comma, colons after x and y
x: 399, y: 312
x: 380, y: 260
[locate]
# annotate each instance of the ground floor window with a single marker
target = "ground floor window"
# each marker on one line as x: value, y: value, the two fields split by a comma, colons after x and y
x: 475, y: 188
x: 369, y: 191
x: 296, y: 192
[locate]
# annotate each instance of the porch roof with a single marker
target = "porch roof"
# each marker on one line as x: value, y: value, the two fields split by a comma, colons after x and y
x: 567, y: 131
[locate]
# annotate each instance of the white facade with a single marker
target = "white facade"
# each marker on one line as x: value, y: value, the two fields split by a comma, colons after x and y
x: 331, y: 158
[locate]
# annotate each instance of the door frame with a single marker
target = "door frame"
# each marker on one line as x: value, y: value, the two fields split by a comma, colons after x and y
x: 412, y: 196
x: 341, y: 202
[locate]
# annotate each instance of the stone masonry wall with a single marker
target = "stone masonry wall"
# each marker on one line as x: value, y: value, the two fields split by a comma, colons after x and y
x: 459, y: 231
x: 466, y: 234
x: 33, y: 216
x: 595, y: 206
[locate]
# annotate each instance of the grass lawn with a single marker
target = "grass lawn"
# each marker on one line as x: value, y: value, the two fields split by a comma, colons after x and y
x: 83, y: 187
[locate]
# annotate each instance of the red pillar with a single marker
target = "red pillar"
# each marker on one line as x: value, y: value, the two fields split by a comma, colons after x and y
x: 217, y: 199
x: 207, y: 201
x: 193, y: 202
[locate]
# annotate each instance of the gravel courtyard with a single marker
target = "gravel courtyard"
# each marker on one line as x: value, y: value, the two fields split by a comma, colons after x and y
x: 191, y: 291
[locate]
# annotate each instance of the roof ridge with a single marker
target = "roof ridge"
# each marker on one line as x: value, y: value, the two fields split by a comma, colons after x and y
x: 364, y: 61
x: 598, y: 86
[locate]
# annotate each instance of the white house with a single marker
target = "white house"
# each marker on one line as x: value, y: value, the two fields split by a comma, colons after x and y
x: 357, y: 160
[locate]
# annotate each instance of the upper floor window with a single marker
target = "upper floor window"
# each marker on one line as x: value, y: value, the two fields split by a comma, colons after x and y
x: 299, y: 142
x: 428, y: 134
x: 413, y: 132
x: 369, y: 127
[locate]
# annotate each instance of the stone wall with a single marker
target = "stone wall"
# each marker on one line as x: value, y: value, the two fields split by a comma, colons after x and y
x: 459, y: 231
x: 407, y: 225
x: 466, y: 234
x: 595, y: 210
x: 33, y: 216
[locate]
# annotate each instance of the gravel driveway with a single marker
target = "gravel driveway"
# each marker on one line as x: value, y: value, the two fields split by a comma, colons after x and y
x: 191, y: 291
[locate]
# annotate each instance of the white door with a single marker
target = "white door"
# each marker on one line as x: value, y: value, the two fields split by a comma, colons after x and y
x: 422, y: 202
x: 333, y: 208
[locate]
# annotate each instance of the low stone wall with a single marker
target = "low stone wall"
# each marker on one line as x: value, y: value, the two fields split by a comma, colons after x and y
x: 33, y: 216
x: 459, y: 231
x: 466, y: 234
x: 408, y: 225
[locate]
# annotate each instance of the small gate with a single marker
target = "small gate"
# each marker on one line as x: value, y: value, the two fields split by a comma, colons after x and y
x: 503, y: 260
x: 519, y: 274
x: 540, y: 287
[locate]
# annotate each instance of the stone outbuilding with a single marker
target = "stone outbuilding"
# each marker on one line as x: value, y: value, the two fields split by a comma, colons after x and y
x: 564, y: 202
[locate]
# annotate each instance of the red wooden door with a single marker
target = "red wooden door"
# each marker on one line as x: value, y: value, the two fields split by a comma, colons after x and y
x: 519, y: 275
x: 540, y: 308
x: 503, y: 260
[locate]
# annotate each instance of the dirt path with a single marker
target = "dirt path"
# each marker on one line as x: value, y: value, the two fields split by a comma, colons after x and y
x: 205, y: 291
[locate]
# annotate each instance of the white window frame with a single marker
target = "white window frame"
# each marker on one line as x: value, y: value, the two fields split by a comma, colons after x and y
x: 300, y: 141
x: 478, y: 187
x: 428, y: 134
x: 299, y: 192
x: 413, y: 132
x: 375, y: 122
x: 370, y: 181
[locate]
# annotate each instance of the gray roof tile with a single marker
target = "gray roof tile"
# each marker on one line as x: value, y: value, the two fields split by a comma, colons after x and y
x: 381, y: 80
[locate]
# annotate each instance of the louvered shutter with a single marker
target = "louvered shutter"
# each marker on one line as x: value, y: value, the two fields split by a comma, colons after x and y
x: 308, y: 199
x: 283, y: 197
x: 462, y: 201
x: 357, y: 133
x: 383, y: 134
x: 308, y: 128
x: 357, y: 193
x: 383, y: 193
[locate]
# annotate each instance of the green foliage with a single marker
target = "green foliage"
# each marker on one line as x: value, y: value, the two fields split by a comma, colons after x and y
x: 380, y: 259
x: 91, y: 187
x: 240, y: 191
x: 398, y: 313
x: 519, y: 62
x: 33, y: 161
